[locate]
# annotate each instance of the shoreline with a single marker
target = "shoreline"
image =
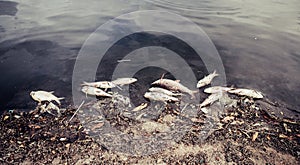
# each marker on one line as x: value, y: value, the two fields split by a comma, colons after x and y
x: 253, y: 132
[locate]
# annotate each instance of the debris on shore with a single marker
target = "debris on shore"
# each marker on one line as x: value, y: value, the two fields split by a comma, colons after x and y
x: 233, y: 129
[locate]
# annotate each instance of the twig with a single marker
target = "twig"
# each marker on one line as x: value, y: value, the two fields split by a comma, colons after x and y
x: 77, y: 110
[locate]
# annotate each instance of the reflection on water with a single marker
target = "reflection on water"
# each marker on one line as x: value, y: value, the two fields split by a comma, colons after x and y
x: 39, y: 40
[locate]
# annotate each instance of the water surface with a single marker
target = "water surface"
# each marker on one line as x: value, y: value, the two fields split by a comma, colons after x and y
x: 258, y: 42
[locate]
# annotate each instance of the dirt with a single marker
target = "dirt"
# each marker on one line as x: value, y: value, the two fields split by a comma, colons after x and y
x: 247, y: 133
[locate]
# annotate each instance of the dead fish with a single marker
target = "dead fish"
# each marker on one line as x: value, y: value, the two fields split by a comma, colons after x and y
x: 124, y: 81
x: 160, y: 97
x: 207, y: 79
x: 44, y: 96
x: 52, y: 106
x: 216, y: 89
x: 176, y: 86
x: 247, y: 92
x: 140, y: 107
x: 164, y: 91
x: 99, y: 84
x: 211, y: 99
x: 89, y: 90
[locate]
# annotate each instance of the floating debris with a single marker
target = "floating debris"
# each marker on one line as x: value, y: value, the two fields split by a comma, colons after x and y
x: 89, y: 90
x: 247, y: 92
x: 44, y: 96
x: 160, y: 97
x: 207, y: 79
x: 175, y: 86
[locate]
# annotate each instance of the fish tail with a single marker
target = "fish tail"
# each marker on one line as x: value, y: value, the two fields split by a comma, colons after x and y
x: 119, y: 86
x: 195, y: 91
x: 215, y: 73
x: 61, y: 98
x: 84, y: 83
x: 58, y: 100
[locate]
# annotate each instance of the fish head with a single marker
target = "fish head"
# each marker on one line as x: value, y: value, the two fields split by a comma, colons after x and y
x: 147, y: 95
x: 32, y: 94
x: 97, y: 91
x: 157, y: 82
x: 132, y: 80
x: 200, y: 84
x: 110, y: 84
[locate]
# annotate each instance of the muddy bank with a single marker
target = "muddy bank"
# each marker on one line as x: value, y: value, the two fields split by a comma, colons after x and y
x: 252, y: 132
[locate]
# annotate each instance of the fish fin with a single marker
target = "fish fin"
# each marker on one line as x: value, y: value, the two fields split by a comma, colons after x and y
x: 163, y: 75
x: 84, y: 83
x: 119, y: 86
x: 215, y: 73
x: 193, y: 94
x: 177, y: 81
x: 61, y: 98
x: 51, y: 92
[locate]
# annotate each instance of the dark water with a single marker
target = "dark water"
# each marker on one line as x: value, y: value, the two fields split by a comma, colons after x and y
x: 258, y: 42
